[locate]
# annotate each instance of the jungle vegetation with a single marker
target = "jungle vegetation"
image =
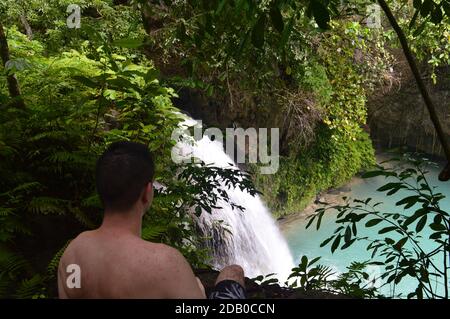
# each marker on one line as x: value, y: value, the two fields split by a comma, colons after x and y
x: 306, y: 66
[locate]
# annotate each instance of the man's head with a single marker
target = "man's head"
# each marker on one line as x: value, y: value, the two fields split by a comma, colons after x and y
x: 124, y: 176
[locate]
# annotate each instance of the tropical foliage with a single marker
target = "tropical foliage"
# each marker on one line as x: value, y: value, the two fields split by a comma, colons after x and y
x: 304, y: 66
x: 399, y: 246
x: 77, y: 102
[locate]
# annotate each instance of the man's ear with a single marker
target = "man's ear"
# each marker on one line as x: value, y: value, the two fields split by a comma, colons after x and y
x: 147, y: 197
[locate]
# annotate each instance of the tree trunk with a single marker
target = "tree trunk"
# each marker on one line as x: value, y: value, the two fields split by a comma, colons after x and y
x: 444, y: 176
x: 13, y: 85
x: 27, y: 27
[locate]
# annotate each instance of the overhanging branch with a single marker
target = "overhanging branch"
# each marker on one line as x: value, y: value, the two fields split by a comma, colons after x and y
x: 445, y: 174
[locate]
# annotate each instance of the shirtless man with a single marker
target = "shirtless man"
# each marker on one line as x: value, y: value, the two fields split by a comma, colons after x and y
x: 113, y: 260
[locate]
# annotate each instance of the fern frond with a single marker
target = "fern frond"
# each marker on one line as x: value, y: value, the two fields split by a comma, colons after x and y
x: 55, y: 135
x: 52, y: 267
x: 65, y: 157
x: 13, y: 224
x: 82, y: 217
x: 5, y: 285
x: 25, y: 187
x: 92, y: 201
x: 30, y: 288
x: 12, y: 262
x: 47, y: 205
x: 6, y: 150
x: 6, y: 211
x: 153, y: 232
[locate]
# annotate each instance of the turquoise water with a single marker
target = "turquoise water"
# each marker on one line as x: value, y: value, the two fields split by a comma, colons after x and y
x: 303, y: 241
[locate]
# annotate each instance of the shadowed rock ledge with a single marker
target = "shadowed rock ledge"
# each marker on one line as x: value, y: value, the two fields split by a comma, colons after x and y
x: 255, y: 291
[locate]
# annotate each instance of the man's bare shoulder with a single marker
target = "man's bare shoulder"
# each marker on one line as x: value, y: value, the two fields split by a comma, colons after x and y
x: 160, y: 254
x: 169, y: 272
x: 75, y: 244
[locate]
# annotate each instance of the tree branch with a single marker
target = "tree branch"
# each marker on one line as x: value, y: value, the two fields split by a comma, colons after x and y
x: 445, y: 174
x: 13, y: 85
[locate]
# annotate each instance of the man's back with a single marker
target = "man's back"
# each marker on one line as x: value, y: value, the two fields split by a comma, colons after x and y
x: 113, y: 261
x: 121, y: 265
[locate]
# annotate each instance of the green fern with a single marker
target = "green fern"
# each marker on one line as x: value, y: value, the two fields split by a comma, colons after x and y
x: 52, y: 267
x: 30, y: 288
x: 5, y: 211
x: 153, y: 232
x: 5, y: 285
x: 82, y: 217
x: 47, y: 205
x: 51, y: 134
x: 61, y: 157
x: 92, y: 201
x: 24, y: 188
x: 11, y: 263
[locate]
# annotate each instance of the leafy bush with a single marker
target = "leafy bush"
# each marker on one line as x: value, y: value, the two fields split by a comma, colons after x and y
x: 329, y: 162
x: 401, y: 252
x: 77, y: 103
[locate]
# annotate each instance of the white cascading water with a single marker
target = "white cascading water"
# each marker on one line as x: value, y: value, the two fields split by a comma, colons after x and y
x: 254, y: 240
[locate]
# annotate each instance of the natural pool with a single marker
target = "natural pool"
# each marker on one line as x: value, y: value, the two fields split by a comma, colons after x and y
x: 303, y: 241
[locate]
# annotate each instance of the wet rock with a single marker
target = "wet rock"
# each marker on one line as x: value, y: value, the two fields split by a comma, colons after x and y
x: 255, y: 291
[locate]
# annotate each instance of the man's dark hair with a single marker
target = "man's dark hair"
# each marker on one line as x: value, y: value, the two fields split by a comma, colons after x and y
x: 122, y: 172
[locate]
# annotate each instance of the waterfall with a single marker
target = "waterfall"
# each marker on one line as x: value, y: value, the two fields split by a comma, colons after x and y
x: 252, y: 238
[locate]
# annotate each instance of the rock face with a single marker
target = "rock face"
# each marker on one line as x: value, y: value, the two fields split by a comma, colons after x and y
x: 400, y: 118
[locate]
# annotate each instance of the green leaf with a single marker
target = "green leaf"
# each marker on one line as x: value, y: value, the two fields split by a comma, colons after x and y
x: 303, y: 263
x: 313, y: 261
x: 416, y: 215
x: 387, y: 229
x: 437, y: 235
x: 348, y: 234
x: 409, y: 201
x: 17, y: 65
x: 437, y: 227
x: 348, y: 244
x: 398, y: 245
x: 372, y: 174
x: 129, y: 43
x: 258, y: 31
x: 421, y: 224
x: 373, y: 222
x: 311, y: 219
x: 437, y: 219
x: 326, y: 241
x: 389, y: 186
x: 336, y: 243
x: 86, y: 81
x: 420, y: 29
x: 319, y: 221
